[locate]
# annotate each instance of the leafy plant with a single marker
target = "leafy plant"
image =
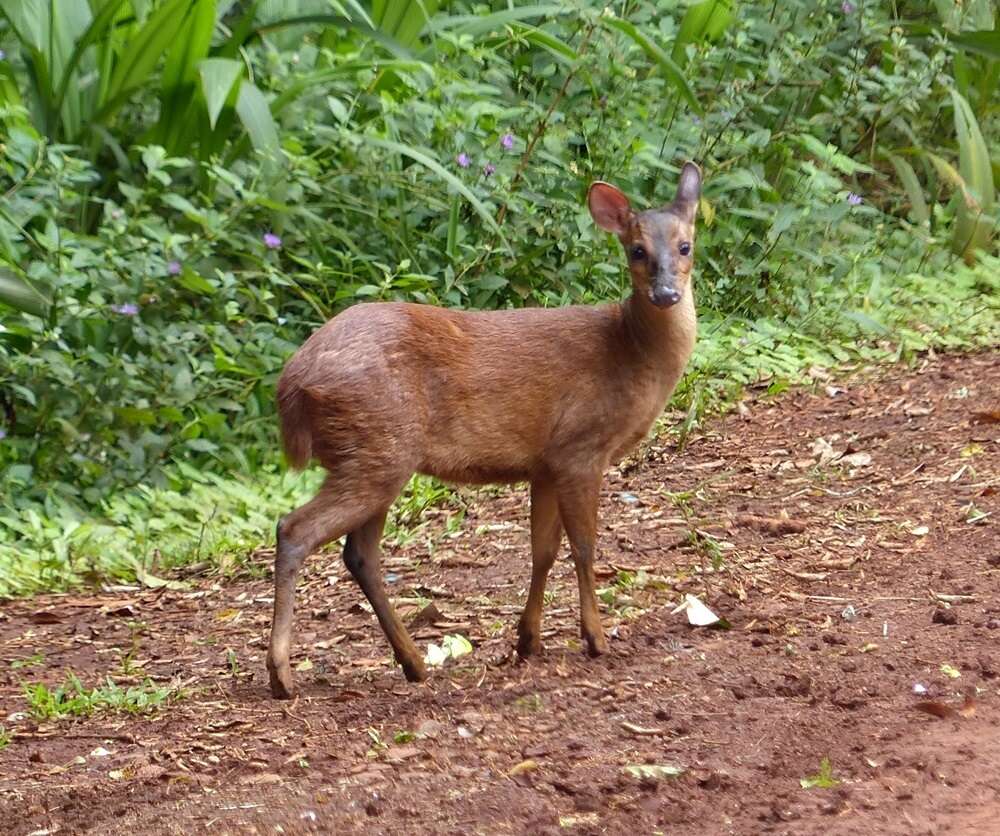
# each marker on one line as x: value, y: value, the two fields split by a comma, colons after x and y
x: 823, y: 779
x: 72, y: 699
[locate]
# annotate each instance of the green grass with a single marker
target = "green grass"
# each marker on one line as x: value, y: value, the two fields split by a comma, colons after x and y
x: 73, y: 699
x: 5, y: 738
x: 221, y: 520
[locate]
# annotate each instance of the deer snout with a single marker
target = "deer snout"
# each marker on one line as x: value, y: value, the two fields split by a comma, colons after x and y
x: 664, y: 295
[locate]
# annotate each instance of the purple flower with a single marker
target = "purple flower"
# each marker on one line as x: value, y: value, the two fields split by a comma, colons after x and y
x: 489, y: 169
x: 173, y: 268
x: 854, y: 199
x: 463, y: 160
x: 271, y: 241
x: 847, y: 7
x: 3, y: 432
x: 507, y: 141
x: 2, y: 56
x: 126, y: 309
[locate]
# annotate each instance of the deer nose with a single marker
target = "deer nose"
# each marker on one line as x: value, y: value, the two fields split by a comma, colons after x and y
x: 663, y: 296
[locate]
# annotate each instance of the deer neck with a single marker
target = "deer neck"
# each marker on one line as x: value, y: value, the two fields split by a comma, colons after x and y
x: 661, y: 338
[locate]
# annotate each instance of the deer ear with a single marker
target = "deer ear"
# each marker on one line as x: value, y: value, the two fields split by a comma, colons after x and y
x: 609, y: 207
x: 688, y: 190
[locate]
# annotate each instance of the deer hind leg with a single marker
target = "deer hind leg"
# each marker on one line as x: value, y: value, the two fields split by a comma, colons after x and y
x: 363, y: 559
x: 578, y: 509
x: 546, y: 535
x: 332, y: 513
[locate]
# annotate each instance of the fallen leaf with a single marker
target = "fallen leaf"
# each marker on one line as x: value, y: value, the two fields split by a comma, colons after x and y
x: 950, y: 672
x: 771, y: 525
x: 153, y: 582
x: 261, y: 778
x: 457, y: 646
x: 304, y: 665
x: 823, y: 452
x: 857, y: 459
x: 697, y: 613
x: 524, y: 766
x: 46, y: 617
x: 652, y: 771
x: 986, y: 416
x: 436, y: 655
x: 640, y: 730
x: 920, y: 531
x: 575, y: 819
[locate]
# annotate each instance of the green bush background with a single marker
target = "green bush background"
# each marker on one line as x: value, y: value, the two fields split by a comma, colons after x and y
x: 153, y: 149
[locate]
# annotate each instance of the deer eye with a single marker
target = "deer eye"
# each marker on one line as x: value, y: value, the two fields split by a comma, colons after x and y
x: 684, y: 248
x: 638, y: 252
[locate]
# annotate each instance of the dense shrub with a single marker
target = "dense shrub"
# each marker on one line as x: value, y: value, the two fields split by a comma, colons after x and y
x: 149, y: 301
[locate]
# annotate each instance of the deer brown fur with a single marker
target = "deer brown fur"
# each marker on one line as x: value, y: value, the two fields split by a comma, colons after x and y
x: 548, y: 396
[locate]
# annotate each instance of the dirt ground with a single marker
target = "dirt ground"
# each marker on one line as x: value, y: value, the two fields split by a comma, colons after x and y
x: 847, y: 533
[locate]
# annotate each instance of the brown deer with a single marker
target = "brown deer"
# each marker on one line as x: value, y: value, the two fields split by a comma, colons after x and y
x: 549, y: 396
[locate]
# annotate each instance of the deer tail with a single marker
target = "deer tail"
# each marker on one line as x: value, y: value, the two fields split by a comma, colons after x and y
x: 296, y: 433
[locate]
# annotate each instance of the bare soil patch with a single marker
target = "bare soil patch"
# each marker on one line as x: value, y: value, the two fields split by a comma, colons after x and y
x: 847, y: 534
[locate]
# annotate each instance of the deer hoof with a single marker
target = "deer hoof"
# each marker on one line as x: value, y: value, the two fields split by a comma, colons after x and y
x: 528, y: 644
x: 281, y: 683
x: 414, y: 671
x: 596, y: 645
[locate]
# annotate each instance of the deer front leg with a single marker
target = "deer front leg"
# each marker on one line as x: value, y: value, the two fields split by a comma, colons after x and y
x: 578, y: 509
x: 546, y: 535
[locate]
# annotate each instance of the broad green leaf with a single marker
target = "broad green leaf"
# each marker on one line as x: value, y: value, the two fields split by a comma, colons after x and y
x: 908, y: 177
x: 218, y: 75
x: 255, y: 114
x: 985, y: 42
x: 18, y: 294
x: 704, y: 21
x: 974, y: 225
x: 670, y: 70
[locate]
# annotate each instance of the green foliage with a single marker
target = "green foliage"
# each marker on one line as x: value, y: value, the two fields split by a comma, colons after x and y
x: 241, y: 171
x: 823, y: 779
x: 73, y: 699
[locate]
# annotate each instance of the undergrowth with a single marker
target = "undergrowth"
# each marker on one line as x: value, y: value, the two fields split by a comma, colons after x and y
x: 223, y: 520
x: 73, y: 699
